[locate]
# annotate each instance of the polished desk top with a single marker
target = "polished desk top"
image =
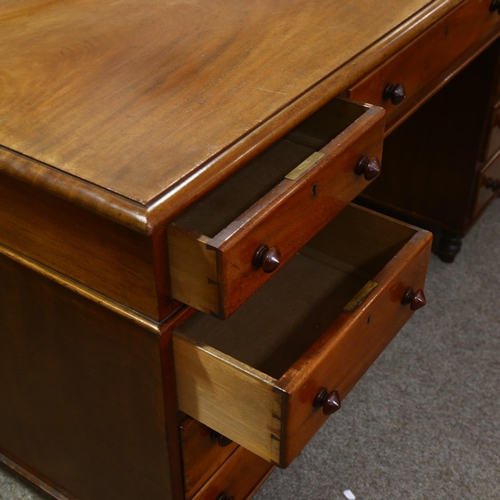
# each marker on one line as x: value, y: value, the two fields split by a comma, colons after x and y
x: 134, y: 110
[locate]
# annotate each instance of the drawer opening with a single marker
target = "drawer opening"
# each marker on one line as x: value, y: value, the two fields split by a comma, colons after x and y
x: 212, y: 213
x: 283, y: 319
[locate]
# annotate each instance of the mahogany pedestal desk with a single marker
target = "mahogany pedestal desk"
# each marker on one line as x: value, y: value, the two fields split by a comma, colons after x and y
x: 186, y: 294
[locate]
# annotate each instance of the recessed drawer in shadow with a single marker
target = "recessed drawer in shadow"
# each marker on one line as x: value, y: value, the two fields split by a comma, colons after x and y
x: 313, y: 329
x: 492, y: 143
x: 229, y: 243
x: 203, y: 452
x: 488, y: 186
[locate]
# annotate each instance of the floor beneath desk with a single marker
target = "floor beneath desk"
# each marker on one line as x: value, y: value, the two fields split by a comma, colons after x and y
x: 424, y: 422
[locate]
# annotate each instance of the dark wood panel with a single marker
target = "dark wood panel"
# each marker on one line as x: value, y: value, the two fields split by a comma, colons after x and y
x: 82, y: 393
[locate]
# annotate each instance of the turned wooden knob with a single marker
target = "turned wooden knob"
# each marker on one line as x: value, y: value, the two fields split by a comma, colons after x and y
x: 223, y: 496
x: 495, y: 6
x: 370, y: 168
x: 415, y: 299
x: 330, y: 401
x: 222, y: 441
x: 267, y: 258
x: 395, y: 93
x: 493, y: 184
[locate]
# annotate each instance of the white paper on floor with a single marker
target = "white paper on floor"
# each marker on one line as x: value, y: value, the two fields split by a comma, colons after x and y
x: 349, y: 495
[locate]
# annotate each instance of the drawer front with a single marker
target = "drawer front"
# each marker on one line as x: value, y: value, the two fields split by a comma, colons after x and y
x: 203, y: 452
x: 222, y: 383
x: 428, y: 60
x: 299, y: 215
x: 488, y: 184
x: 239, y: 477
x: 217, y: 274
x: 492, y: 144
x: 338, y: 362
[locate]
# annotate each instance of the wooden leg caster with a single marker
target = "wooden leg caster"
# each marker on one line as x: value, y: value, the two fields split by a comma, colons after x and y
x: 449, y: 246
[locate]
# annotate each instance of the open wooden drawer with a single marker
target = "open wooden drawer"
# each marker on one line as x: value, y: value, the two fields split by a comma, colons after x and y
x: 319, y: 323
x: 227, y: 245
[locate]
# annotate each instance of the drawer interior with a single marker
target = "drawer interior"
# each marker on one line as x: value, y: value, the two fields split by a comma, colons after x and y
x: 284, y: 318
x: 233, y: 197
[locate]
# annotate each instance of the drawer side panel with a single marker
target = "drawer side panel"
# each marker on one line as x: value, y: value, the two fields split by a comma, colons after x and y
x: 193, y: 271
x: 228, y: 397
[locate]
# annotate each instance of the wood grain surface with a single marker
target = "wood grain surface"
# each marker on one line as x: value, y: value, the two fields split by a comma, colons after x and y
x: 157, y: 104
x: 111, y: 259
x: 82, y: 392
x: 228, y: 396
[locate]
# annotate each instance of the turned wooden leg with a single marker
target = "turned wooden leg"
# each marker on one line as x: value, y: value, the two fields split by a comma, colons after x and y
x: 449, y: 246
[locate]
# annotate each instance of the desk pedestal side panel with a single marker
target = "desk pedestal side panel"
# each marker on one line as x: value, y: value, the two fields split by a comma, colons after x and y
x: 82, y: 401
x: 98, y: 253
